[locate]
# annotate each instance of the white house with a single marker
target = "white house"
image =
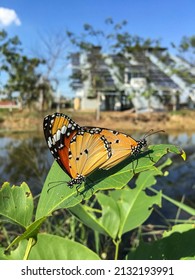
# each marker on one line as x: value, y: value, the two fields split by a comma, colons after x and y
x: 137, y: 79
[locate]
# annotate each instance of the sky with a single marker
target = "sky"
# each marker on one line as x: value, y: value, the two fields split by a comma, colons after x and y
x: 166, y: 20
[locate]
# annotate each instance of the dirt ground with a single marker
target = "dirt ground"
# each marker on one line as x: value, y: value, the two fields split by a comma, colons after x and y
x: 127, y: 121
x: 122, y: 121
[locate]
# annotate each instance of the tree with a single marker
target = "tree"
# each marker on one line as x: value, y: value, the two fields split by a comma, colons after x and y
x: 21, y: 71
x: 186, y: 51
x: 186, y: 48
x: 53, y: 51
x: 8, y: 49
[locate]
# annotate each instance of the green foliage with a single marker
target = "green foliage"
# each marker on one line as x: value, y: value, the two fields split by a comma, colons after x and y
x: 16, y: 204
x: 21, y: 71
x: 121, y: 211
x: 55, y: 195
x: 187, y: 43
x: 59, y: 248
x: 186, y: 50
x: 176, y: 244
x: 111, y: 209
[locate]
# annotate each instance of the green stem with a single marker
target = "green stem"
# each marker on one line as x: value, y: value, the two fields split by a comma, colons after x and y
x: 31, y: 243
x: 116, y: 243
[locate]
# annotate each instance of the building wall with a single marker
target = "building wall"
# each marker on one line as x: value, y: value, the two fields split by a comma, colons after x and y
x: 88, y: 103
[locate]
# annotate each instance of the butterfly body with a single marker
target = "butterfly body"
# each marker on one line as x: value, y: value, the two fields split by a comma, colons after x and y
x: 81, y: 150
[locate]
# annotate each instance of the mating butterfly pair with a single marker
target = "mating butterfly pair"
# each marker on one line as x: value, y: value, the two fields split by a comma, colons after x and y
x: 81, y: 150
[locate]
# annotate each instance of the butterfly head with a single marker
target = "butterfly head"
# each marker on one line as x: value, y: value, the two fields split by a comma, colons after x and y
x: 143, y: 142
x: 76, y: 181
x: 140, y: 144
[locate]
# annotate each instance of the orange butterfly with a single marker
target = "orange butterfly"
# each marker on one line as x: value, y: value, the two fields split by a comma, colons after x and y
x: 81, y: 150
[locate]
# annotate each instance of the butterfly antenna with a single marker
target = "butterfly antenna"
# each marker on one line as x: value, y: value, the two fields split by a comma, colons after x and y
x: 55, y: 184
x: 151, y: 132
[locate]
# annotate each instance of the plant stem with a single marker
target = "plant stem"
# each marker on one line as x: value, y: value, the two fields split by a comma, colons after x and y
x: 116, y: 243
x: 31, y: 243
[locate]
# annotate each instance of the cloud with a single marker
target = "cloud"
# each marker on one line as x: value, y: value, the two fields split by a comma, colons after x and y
x: 8, y: 17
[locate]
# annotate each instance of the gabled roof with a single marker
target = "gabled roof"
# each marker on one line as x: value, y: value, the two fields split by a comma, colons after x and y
x: 154, y: 74
x: 136, y: 61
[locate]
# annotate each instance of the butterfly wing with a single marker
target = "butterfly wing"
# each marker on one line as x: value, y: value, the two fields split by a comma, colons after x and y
x: 86, y: 153
x: 59, y: 130
x: 77, y: 151
x: 122, y: 145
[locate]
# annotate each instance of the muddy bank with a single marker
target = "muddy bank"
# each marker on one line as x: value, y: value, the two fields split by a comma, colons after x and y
x: 142, y: 122
x: 123, y: 121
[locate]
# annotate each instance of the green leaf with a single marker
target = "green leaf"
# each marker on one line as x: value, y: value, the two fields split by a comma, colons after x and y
x: 52, y: 247
x: 179, y: 204
x: 110, y: 218
x: 177, y: 245
x: 60, y: 196
x: 31, y: 231
x: 179, y: 228
x: 87, y: 216
x: 108, y: 223
x: 16, y: 203
x: 2, y: 254
x: 135, y: 205
x: 55, y: 193
x: 121, y: 210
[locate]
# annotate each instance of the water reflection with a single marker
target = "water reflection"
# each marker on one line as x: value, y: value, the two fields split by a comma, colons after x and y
x: 24, y: 160
x: 182, y: 139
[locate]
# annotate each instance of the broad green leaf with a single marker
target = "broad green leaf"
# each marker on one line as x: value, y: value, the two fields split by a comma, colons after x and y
x: 178, y: 245
x: 52, y: 247
x: 121, y: 210
x: 88, y: 217
x: 16, y: 203
x: 135, y: 205
x: 56, y: 194
x: 188, y: 258
x: 180, y: 228
x: 2, y: 254
x: 109, y: 220
x: 167, y: 162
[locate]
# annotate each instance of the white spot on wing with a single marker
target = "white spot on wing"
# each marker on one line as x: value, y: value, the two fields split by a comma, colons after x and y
x: 63, y: 130
x: 54, y: 138
x: 49, y: 142
x: 58, y: 133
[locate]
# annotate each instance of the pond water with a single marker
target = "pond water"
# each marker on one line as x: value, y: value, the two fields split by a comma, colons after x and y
x: 26, y: 157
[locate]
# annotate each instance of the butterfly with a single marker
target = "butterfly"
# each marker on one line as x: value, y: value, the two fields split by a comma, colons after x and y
x: 81, y: 150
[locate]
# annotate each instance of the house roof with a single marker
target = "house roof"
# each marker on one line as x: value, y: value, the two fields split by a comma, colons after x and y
x: 153, y: 73
x: 135, y: 62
